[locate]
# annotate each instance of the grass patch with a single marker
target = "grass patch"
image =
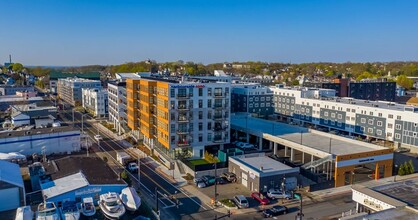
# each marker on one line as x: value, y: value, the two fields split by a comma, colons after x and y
x: 198, y: 162
x: 227, y: 203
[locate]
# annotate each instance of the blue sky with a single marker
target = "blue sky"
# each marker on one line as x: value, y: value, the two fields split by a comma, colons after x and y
x: 81, y: 32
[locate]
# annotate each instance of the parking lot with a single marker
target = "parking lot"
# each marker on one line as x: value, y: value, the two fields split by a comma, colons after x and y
x: 229, y: 190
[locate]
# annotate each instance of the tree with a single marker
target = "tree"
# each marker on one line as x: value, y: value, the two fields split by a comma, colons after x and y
x: 411, y: 167
x: 40, y: 84
x: 402, y: 170
x: 405, y: 82
x: 17, y: 67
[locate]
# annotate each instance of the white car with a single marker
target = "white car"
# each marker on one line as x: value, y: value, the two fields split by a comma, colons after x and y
x: 98, y: 137
x: 247, y: 146
x: 277, y: 194
x: 133, y: 167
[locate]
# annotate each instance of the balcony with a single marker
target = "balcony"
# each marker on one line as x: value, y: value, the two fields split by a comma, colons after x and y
x: 182, y: 96
x: 218, y: 139
x: 182, y: 108
x: 182, y: 131
x: 218, y: 95
x: 218, y: 106
x: 183, y: 143
x: 218, y: 117
x: 183, y: 118
x: 220, y: 128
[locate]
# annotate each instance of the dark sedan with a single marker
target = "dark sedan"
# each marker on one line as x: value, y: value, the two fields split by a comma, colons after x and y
x: 275, y: 211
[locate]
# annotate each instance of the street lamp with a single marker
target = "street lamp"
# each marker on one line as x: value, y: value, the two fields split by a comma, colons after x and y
x: 82, y: 131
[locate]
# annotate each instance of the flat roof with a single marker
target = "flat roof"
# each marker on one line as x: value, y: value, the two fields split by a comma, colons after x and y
x: 10, y: 173
x: 267, y: 163
x: 405, y: 191
x: 388, y: 214
x: 38, y: 131
x: 94, y: 169
x: 319, y: 140
x: 33, y: 107
x: 65, y: 184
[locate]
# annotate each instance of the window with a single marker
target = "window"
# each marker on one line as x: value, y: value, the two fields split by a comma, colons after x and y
x: 362, y: 129
x: 191, y: 127
x: 348, y: 110
x: 332, y: 115
x: 390, y: 125
x: 325, y: 121
x: 292, y: 107
x: 380, y: 114
x: 250, y: 99
x: 262, y: 105
x: 379, y: 132
x: 200, y: 137
x: 262, y: 99
x: 200, y: 103
x: 256, y: 105
x: 363, y: 120
x: 379, y: 123
x: 210, y: 92
x: 307, y: 110
x: 209, y: 125
x: 251, y: 105
x: 173, y: 128
x: 173, y: 117
x: 200, y: 91
x: 353, y: 110
x: 326, y: 114
x: 371, y: 113
x: 268, y: 104
x: 256, y: 99
x: 370, y: 130
x: 340, y: 116
x: 415, y: 124
x: 398, y: 136
x: 339, y: 124
x: 398, y: 127
x: 200, y: 115
x: 209, y: 136
x: 200, y: 126
x: 293, y: 101
x: 172, y: 93
x: 209, y: 103
x: 332, y: 122
x: 415, y: 134
x: 347, y: 118
x: 173, y: 139
x: 390, y: 116
x: 398, y: 117
x: 389, y: 134
x: 267, y: 99
x: 370, y: 121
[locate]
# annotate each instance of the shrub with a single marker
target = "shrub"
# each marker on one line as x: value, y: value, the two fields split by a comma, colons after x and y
x: 227, y: 202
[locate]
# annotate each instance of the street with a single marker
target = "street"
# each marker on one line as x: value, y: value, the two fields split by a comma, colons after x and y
x: 149, y: 178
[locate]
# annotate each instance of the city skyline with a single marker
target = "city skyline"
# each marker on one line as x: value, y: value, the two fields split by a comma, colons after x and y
x: 75, y: 33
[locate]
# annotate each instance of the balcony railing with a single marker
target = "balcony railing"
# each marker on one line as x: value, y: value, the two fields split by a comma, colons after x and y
x: 182, y: 96
x: 219, y: 95
x: 183, y: 119
x: 219, y: 106
x: 218, y: 117
x: 183, y: 143
x: 182, y: 131
x: 183, y: 107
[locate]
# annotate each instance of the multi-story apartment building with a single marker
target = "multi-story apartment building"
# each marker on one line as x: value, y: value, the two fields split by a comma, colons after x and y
x: 95, y: 101
x: 179, y: 117
x: 373, y: 90
x: 69, y: 89
x: 252, y: 98
x: 377, y: 119
x: 54, y: 76
x: 117, y: 106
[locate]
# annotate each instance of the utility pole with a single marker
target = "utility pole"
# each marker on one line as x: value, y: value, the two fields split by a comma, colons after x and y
x: 216, y: 183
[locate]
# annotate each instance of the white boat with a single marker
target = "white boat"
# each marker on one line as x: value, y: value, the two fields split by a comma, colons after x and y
x: 47, y: 211
x: 87, y: 207
x: 24, y: 213
x: 69, y: 211
x: 111, y: 206
x: 130, y: 199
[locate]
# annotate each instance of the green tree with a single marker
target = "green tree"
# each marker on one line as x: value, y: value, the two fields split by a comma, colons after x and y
x: 40, y: 84
x: 411, y: 167
x: 124, y: 175
x: 17, y: 67
x: 366, y: 75
x: 402, y: 170
x: 295, y: 82
x: 405, y: 82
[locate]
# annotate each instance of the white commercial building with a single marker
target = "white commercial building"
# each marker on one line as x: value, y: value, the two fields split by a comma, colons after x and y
x: 45, y: 140
x: 117, y: 106
x: 12, y: 189
x: 373, y: 119
x: 96, y: 101
x: 70, y: 89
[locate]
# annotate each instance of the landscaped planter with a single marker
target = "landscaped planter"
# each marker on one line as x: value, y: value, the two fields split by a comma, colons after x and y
x: 228, y: 204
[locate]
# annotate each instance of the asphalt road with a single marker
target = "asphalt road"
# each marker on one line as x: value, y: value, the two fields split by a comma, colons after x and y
x: 189, y: 205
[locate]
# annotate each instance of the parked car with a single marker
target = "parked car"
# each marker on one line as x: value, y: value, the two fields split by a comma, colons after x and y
x: 260, y: 198
x: 98, y: 137
x: 231, y: 177
x: 247, y: 146
x: 209, y: 180
x: 275, y: 211
x: 402, y: 150
x: 241, y: 201
x: 199, y: 183
x: 240, y: 144
x: 277, y: 194
x: 221, y: 180
x: 133, y: 167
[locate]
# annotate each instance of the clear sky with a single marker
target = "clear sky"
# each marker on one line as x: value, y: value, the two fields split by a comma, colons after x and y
x: 81, y: 32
